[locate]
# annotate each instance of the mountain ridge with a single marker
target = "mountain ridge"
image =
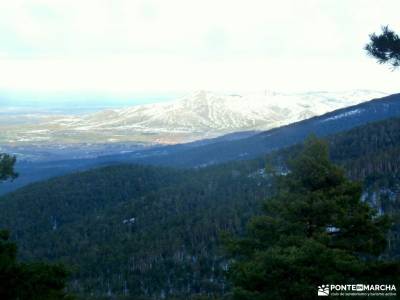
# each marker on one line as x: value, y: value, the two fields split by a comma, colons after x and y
x: 263, y: 142
x: 199, y: 115
x: 237, y: 146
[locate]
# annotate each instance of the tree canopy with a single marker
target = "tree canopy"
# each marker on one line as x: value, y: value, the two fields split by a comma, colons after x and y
x: 23, y: 281
x: 33, y: 281
x: 178, y: 256
x: 315, y: 230
x: 385, y: 47
x: 7, y: 163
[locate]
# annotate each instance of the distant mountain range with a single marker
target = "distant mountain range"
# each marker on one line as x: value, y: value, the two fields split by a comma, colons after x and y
x: 205, y: 114
x: 198, y: 116
x: 234, y: 146
x: 221, y: 150
x: 148, y: 232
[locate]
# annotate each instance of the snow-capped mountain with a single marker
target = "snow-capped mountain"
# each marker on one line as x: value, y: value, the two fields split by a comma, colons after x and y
x: 199, y: 115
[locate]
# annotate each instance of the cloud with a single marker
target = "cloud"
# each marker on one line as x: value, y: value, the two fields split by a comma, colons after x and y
x: 180, y: 45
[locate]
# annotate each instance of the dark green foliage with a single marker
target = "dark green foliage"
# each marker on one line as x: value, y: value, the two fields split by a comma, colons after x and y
x: 315, y: 230
x: 7, y: 163
x: 28, y: 281
x: 173, y: 248
x: 385, y: 47
x: 368, y: 150
x: 170, y: 248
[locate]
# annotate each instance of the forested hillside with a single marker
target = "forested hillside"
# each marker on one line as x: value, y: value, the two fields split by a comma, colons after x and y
x: 155, y: 232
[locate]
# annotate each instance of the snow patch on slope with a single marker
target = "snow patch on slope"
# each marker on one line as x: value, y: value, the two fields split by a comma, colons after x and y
x: 206, y: 111
x: 199, y: 115
x: 344, y: 115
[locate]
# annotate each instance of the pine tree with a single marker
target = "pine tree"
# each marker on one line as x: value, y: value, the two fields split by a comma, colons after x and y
x: 314, y: 231
x: 7, y: 163
x: 26, y: 281
x: 385, y: 47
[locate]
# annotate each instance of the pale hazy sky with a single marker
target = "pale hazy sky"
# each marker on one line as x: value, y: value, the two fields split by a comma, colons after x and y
x: 177, y: 46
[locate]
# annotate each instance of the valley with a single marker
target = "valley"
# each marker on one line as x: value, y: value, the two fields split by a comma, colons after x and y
x: 198, y: 116
x: 179, y: 254
x: 199, y: 150
x: 206, y: 152
x: 103, y: 194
